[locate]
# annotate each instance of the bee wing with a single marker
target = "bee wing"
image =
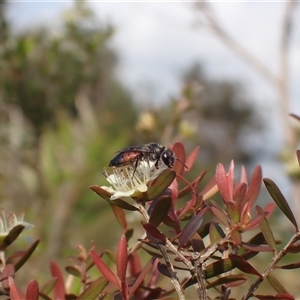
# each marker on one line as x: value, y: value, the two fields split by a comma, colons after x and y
x: 142, y: 149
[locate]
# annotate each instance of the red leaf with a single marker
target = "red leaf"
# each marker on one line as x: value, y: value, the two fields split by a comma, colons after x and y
x: 59, y: 288
x: 141, y: 277
x: 8, y: 271
x: 254, y: 186
x: 14, y: 292
x: 244, y: 175
x: 194, y: 184
x: 276, y: 297
x: 179, y: 151
x: 244, y: 266
x: 219, y: 214
x: 239, y: 192
x: 191, y: 159
x: 256, y: 248
x: 135, y: 265
x: 122, y: 258
x: 223, y: 183
x: 32, y: 291
x: 105, y: 271
x: 153, y: 234
x: 120, y: 216
x: 189, y: 230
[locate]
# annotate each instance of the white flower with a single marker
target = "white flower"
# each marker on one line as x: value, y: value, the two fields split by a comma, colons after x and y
x: 126, y: 181
x: 8, y: 222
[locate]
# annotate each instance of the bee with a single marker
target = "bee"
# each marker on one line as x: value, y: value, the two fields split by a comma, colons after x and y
x: 151, y: 152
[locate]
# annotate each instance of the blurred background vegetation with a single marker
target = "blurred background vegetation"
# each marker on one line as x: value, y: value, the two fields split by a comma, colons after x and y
x: 64, y: 112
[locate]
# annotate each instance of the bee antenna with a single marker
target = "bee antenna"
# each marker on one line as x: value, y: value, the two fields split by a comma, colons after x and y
x: 181, y: 162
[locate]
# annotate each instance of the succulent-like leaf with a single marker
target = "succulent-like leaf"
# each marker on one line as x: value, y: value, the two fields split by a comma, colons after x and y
x: 276, y: 285
x: 254, y: 186
x: 73, y: 271
x: 229, y: 280
x: 197, y: 242
x: 221, y: 266
x: 276, y: 297
x: 123, y: 204
x: 244, y: 266
x: 223, y: 183
x: 122, y: 258
x: 59, y: 288
x: 161, y: 183
x: 7, y: 272
x: 194, y: 184
x: 100, y: 191
x: 141, y: 277
x: 233, y: 212
x: 239, y: 192
x: 12, y: 235
x: 32, y: 291
x: 160, y: 210
x: 120, y: 216
x: 236, y: 237
x: 189, y: 230
x: 134, y: 264
x: 179, y: 151
x: 94, y: 289
x: 294, y: 248
x: 256, y: 248
x: 162, y: 268
x: 266, y: 230
x: 220, y: 215
x: 26, y: 255
x: 280, y: 200
x: 215, y: 233
x: 153, y: 234
x: 203, y: 231
x: 289, y: 266
x: 14, y: 292
x: 189, y: 162
x: 168, y: 221
x: 105, y: 270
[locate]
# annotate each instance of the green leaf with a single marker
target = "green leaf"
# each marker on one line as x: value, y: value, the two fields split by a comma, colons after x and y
x: 94, y: 289
x: 279, y: 199
x: 221, y: 266
x: 161, y: 183
x: 266, y: 229
x: 229, y: 280
x: 277, y: 286
x: 215, y: 233
x: 73, y: 271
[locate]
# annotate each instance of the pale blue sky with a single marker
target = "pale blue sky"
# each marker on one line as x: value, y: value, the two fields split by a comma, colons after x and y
x: 157, y: 41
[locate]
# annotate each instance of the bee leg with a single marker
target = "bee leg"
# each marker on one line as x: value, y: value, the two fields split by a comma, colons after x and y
x: 156, y: 164
x: 135, y: 166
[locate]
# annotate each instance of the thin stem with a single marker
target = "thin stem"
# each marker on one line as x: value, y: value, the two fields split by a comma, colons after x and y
x: 271, y: 266
x: 174, y: 278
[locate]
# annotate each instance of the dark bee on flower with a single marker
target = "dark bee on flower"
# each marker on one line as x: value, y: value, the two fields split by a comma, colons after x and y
x: 151, y: 152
